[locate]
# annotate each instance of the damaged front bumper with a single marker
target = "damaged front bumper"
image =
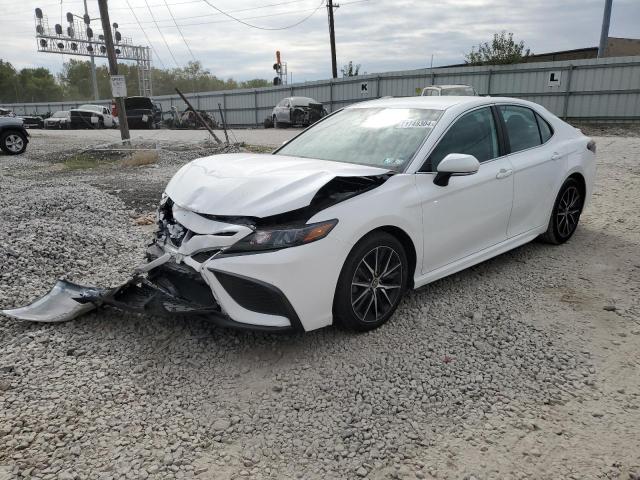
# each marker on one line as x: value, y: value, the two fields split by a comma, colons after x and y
x: 178, y: 281
x: 167, y: 289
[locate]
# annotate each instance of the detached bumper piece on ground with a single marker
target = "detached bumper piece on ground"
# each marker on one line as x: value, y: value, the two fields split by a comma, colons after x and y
x: 167, y: 290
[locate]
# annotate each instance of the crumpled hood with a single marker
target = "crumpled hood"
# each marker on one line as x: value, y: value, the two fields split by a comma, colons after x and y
x: 255, y: 185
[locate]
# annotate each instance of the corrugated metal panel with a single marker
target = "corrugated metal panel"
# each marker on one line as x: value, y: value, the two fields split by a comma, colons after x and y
x: 616, y: 79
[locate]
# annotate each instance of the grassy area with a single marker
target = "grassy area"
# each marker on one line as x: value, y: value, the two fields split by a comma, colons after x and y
x: 86, y: 161
x: 140, y: 158
x: 90, y: 160
x: 257, y: 148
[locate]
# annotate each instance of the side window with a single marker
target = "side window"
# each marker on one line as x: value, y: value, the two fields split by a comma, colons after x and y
x: 473, y: 134
x: 522, y: 127
x: 545, y: 129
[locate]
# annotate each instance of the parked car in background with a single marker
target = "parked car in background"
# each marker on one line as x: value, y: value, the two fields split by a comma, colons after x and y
x: 13, y: 136
x: 32, y: 121
x: 5, y: 112
x: 91, y: 116
x: 449, y: 91
x: 60, y: 119
x: 142, y: 112
x: 296, y: 111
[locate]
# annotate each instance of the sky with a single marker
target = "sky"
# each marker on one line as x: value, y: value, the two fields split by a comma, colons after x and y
x: 381, y: 35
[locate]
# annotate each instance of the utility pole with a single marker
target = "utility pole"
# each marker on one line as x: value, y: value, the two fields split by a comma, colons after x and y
x: 604, y: 34
x: 113, y: 67
x: 94, y: 81
x: 332, y: 37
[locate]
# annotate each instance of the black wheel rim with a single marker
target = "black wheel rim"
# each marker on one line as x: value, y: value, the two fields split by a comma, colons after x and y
x: 377, y: 284
x: 568, y: 212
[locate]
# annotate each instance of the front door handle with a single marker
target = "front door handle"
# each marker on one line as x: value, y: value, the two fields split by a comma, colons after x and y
x: 556, y: 156
x: 504, y: 173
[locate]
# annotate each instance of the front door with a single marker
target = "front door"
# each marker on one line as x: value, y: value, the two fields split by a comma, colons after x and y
x: 472, y: 212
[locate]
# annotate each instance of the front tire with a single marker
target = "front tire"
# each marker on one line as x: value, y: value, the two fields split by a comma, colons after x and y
x: 566, y: 213
x: 371, y: 283
x: 13, y: 142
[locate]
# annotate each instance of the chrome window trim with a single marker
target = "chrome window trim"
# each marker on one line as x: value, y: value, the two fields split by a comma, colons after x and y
x: 488, y: 105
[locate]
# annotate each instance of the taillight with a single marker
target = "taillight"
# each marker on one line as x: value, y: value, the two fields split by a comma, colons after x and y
x: 591, y: 146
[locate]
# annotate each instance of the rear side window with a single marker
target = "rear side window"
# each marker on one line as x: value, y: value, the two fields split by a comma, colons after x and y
x: 522, y: 127
x: 473, y: 134
x: 545, y: 129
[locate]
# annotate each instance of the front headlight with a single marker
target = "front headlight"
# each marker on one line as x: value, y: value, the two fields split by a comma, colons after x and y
x: 278, y: 238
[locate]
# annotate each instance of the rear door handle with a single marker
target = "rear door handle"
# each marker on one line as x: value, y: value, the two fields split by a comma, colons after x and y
x: 556, y: 156
x: 503, y: 173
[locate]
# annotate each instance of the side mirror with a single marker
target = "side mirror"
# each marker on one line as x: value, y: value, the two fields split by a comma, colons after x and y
x: 455, y: 164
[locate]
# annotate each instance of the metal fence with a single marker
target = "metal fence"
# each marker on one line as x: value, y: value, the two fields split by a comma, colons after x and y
x: 592, y: 89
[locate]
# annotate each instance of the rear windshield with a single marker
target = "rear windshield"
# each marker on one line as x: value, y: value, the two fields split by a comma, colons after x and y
x: 301, y: 101
x: 456, y: 91
x: 380, y: 137
x: 138, y: 103
x: 94, y: 108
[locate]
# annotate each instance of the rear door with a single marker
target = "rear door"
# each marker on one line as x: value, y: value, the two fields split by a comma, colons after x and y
x: 537, y: 160
x: 472, y: 212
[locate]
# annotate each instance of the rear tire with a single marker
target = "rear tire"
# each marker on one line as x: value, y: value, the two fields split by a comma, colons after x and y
x: 371, y: 283
x: 565, y: 214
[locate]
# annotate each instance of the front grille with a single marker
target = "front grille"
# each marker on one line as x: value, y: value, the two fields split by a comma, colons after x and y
x: 168, y: 227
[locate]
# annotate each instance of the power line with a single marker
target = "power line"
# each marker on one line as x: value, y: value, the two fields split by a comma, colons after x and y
x: 230, y: 11
x: 146, y: 36
x: 218, y: 14
x: 162, y: 34
x: 210, y: 22
x: 263, y: 28
x: 180, y: 31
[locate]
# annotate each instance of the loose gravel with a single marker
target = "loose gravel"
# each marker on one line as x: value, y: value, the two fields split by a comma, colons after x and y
x: 479, y: 375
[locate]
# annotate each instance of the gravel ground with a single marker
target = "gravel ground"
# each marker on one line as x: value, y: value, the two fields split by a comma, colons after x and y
x: 526, y: 366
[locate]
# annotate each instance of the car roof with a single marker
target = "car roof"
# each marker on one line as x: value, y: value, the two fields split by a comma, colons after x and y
x: 460, y: 85
x: 437, y: 103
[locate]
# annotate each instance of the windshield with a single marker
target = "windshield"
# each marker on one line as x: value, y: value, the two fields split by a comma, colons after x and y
x: 379, y: 137
x: 60, y: 114
x: 95, y: 108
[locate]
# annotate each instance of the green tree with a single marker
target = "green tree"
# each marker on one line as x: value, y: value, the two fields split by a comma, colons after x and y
x: 350, y: 69
x: 76, y: 79
x: 74, y: 82
x: 8, y: 83
x: 254, y: 83
x: 38, y: 85
x: 503, y: 49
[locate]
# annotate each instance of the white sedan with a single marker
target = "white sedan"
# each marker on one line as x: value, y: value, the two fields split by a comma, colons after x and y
x: 338, y: 223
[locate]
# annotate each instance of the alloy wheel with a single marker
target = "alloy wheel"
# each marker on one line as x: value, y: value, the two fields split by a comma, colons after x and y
x: 376, y: 286
x: 14, y: 142
x: 568, y: 212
